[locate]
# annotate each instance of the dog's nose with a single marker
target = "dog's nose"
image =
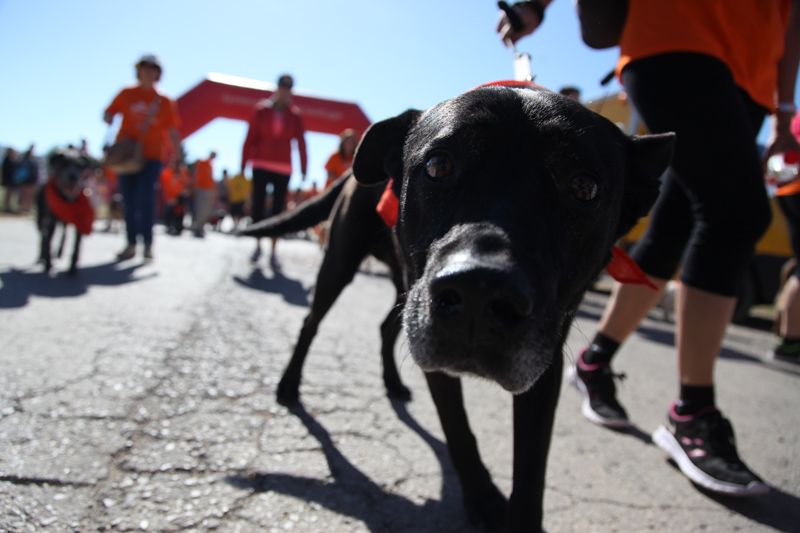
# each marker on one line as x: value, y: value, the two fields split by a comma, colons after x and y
x: 480, y: 295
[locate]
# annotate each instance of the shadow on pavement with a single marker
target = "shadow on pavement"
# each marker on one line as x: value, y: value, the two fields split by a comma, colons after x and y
x: 354, y: 494
x: 292, y: 290
x: 777, y: 509
x: 636, y: 432
x: 19, y: 285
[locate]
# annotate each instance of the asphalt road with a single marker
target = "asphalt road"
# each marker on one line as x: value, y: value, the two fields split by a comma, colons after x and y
x: 141, y: 397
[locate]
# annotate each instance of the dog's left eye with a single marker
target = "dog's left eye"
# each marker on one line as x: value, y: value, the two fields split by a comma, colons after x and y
x: 583, y: 188
x: 439, y: 166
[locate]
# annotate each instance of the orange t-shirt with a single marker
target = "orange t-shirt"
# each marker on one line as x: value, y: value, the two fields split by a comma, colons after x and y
x: 747, y: 35
x: 203, y: 174
x: 111, y: 178
x: 336, y: 166
x: 171, y: 186
x: 134, y: 104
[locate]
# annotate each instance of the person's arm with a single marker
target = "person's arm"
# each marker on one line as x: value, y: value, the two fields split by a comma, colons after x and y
x: 301, y: 146
x: 249, y: 141
x: 113, y: 108
x: 530, y: 13
x: 782, y: 138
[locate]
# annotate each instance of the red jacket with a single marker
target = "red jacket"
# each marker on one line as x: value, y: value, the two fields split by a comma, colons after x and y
x: 266, y: 145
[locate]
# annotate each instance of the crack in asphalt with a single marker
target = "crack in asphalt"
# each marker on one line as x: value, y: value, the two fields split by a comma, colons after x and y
x: 42, y: 481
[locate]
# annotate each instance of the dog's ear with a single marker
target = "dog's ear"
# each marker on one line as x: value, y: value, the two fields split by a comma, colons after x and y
x: 648, y: 158
x: 379, y: 155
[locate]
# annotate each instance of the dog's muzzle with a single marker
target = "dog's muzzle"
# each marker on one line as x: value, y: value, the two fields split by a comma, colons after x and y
x: 472, y: 311
x: 479, y: 300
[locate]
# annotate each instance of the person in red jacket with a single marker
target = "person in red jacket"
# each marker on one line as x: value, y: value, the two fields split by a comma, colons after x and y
x: 268, y: 149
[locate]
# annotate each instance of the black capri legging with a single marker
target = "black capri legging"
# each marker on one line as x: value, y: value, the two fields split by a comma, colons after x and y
x: 713, y: 206
x: 280, y: 185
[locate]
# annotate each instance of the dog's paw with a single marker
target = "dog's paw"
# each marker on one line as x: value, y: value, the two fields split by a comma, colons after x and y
x: 487, y: 508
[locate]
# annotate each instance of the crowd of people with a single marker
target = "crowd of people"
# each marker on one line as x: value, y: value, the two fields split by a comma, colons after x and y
x: 167, y: 185
x: 181, y: 194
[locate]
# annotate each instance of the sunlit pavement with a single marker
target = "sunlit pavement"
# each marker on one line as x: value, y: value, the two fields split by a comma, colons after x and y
x: 141, y: 397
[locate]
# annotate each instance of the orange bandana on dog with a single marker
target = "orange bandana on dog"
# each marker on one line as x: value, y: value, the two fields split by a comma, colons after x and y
x: 79, y: 212
x: 388, y: 206
x: 622, y: 268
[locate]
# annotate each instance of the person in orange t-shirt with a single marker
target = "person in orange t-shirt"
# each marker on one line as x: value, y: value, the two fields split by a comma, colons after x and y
x: 171, y: 191
x: 342, y: 159
x: 708, y: 70
x: 149, y: 116
x: 203, y: 193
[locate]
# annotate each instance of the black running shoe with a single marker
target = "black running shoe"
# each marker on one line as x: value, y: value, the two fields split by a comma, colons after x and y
x: 786, y: 351
x: 704, y: 448
x: 595, y: 382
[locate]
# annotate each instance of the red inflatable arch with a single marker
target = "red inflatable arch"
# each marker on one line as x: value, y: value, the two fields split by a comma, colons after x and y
x: 223, y: 96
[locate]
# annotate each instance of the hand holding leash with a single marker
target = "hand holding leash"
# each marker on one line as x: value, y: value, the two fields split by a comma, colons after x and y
x: 519, y: 20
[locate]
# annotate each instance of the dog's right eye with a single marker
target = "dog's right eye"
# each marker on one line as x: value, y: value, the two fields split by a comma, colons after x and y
x: 584, y: 188
x: 439, y: 166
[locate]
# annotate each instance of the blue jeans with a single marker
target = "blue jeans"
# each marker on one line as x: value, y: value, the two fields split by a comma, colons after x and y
x: 139, y: 201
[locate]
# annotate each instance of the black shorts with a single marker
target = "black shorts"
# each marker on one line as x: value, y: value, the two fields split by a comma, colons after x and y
x: 713, y: 206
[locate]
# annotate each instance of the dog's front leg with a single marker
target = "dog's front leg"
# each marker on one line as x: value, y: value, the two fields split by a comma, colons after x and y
x: 484, y: 502
x: 534, y: 414
x: 47, y: 228
x: 73, y: 266
x: 63, y: 241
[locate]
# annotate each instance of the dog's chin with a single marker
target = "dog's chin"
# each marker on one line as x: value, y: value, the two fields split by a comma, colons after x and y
x: 516, y: 377
x: 514, y: 370
x: 515, y: 366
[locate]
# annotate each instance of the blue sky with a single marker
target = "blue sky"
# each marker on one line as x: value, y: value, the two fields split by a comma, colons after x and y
x: 65, y: 60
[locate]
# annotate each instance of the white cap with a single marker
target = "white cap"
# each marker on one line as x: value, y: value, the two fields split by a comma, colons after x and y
x: 150, y: 59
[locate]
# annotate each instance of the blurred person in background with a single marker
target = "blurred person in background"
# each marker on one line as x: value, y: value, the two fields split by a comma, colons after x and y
x: 203, y: 192
x: 148, y: 116
x: 9, y: 185
x: 275, y: 123
x: 342, y: 159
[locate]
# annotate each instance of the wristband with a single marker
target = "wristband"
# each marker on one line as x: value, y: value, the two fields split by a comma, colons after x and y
x: 537, y: 7
x: 786, y: 107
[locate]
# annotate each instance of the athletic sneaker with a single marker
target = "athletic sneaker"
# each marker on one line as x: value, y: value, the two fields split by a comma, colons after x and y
x: 787, y: 351
x: 148, y: 253
x: 595, y: 382
x: 704, y: 448
x: 127, y: 253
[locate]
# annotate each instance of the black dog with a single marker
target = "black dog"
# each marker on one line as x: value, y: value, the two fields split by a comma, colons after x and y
x: 356, y: 231
x: 62, y: 200
x: 510, y: 202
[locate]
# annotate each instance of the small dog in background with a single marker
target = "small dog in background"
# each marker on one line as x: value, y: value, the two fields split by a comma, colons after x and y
x: 64, y: 201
